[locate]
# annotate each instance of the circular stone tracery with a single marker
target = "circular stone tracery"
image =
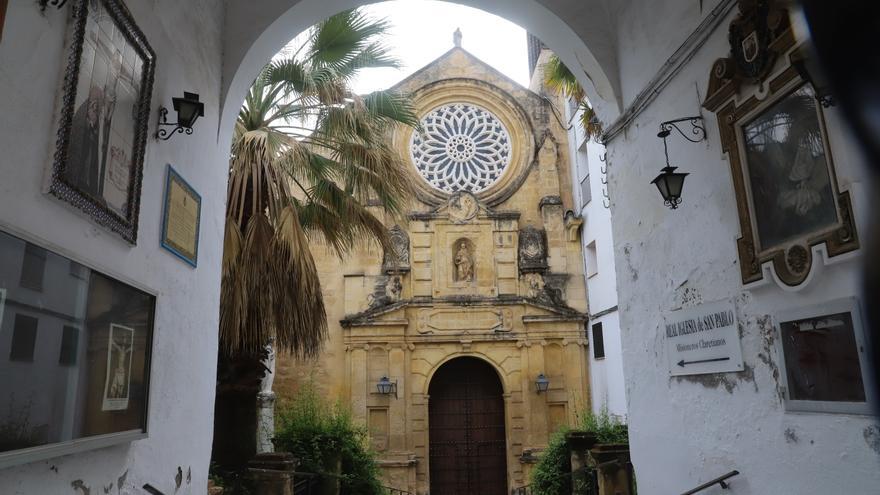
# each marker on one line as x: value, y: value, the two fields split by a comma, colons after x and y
x: 462, y: 147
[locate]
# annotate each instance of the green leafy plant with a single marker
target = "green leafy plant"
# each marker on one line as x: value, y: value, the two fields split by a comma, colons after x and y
x: 320, y: 435
x: 559, y: 78
x: 606, y: 427
x: 552, y: 474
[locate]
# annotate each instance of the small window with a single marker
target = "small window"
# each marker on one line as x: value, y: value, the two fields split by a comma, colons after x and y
x: 598, y: 341
x: 586, y: 194
x: 78, y: 271
x: 24, y: 338
x: 592, y: 260
x: 69, y: 346
x: 32, y: 267
x: 824, y: 358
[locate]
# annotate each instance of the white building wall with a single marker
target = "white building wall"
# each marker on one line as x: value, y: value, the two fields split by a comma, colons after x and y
x: 589, y: 171
x: 687, y: 430
x: 187, y: 39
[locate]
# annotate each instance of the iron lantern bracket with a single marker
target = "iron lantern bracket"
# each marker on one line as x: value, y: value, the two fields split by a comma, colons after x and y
x: 697, y: 128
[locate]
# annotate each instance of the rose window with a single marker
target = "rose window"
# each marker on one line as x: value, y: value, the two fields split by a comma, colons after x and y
x: 462, y: 147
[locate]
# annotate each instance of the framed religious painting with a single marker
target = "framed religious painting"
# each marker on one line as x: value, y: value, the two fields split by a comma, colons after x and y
x: 772, y: 128
x: 181, y: 218
x: 3, y: 5
x: 104, y: 115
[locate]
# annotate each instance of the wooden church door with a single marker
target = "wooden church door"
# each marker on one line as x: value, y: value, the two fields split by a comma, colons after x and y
x: 468, y: 451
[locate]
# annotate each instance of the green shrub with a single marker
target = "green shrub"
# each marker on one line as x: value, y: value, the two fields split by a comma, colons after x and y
x: 608, y: 428
x: 319, y: 434
x: 552, y: 474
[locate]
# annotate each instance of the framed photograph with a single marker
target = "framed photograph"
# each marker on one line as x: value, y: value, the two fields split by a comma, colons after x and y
x: 104, y: 115
x: 824, y: 364
x: 181, y: 218
x: 117, y: 385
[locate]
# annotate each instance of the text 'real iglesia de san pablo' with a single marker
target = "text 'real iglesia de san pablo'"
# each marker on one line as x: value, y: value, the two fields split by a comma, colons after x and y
x: 481, y: 298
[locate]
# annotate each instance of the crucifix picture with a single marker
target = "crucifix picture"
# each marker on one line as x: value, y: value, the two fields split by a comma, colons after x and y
x: 117, y: 386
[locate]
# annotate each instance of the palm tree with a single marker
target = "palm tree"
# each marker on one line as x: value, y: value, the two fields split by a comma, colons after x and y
x: 307, y: 158
x: 559, y: 78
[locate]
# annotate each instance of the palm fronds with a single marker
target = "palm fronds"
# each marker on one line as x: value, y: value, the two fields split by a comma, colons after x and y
x: 308, y: 157
x: 557, y: 77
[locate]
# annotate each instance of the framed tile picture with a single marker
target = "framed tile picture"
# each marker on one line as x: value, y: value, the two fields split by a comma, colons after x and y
x: 104, y: 115
x: 181, y: 218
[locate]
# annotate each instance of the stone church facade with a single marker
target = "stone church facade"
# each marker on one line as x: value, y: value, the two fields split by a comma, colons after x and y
x: 481, y: 295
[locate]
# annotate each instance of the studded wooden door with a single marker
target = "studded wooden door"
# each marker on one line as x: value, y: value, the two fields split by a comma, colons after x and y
x: 468, y: 452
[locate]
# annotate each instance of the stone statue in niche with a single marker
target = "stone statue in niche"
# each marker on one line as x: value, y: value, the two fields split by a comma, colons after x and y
x: 464, y: 263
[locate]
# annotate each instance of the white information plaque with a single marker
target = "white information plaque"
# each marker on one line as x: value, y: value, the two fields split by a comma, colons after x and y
x: 702, y: 339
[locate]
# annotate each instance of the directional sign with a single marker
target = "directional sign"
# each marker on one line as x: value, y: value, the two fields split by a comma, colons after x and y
x: 702, y: 339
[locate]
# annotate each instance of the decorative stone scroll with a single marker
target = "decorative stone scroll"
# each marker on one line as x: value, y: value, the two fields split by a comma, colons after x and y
x: 396, y: 259
x: 532, y: 250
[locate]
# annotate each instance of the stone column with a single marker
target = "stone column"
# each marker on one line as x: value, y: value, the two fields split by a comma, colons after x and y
x: 266, y: 406
x: 265, y: 422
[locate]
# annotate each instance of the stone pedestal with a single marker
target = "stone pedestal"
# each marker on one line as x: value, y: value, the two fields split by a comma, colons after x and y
x: 579, y: 444
x: 272, y: 473
x: 265, y: 422
x: 612, y: 462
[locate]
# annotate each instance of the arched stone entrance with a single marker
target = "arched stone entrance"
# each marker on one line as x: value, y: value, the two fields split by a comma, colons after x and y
x: 468, y: 452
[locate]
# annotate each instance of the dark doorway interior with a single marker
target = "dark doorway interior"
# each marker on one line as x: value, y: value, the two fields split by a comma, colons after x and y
x: 468, y: 453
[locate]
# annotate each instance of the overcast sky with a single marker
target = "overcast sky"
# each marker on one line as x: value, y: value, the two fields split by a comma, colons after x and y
x: 422, y: 31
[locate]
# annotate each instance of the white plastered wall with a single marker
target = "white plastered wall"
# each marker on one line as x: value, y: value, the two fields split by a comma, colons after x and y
x: 685, y: 431
x: 186, y: 37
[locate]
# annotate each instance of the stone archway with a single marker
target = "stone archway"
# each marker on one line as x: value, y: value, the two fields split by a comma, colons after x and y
x: 256, y: 30
x: 466, y: 420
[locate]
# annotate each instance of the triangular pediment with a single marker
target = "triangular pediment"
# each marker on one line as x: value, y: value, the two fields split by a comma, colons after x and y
x: 395, y: 314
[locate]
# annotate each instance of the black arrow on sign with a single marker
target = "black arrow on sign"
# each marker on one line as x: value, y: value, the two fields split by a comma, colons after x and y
x: 682, y: 363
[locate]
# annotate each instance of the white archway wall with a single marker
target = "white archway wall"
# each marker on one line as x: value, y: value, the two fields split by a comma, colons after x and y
x: 256, y: 30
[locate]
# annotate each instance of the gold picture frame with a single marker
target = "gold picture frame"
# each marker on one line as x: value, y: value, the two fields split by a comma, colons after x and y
x: 733, y: 97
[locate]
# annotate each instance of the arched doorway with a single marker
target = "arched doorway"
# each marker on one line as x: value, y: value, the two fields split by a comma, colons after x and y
x: 467, y: 446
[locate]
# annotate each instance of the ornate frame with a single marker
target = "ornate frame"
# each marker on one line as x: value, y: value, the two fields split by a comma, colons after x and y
x: 736, y: 95
x: 59, y: 186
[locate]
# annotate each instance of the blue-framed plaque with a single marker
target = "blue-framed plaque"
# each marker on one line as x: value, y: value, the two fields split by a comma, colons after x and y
x: 181, y: 218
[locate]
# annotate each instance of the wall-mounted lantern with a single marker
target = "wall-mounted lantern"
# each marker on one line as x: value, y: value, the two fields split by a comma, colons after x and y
x: 542, y: 383
x: 808, y: 68
x: 670, y: 182
x: 387, y: 387
x: 188, y: 109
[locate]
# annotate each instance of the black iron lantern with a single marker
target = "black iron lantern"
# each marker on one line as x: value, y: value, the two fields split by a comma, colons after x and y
x: 188, y: 109
x: 669, y: 182
x: 542, y: 383
x: 808, y: 68
x: 387, y: 387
